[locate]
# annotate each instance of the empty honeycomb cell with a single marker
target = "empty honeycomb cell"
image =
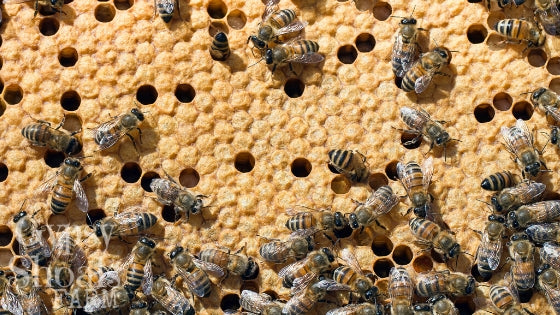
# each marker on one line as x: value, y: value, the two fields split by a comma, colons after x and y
x: 58, y: 222
x: 249, y: 285
x: 230, y: 303
x: 216, y: 27
x: 553, y: 66
x: 402, y: 255
x: 169, y: 214
x: 185, y: 93
x: 537, y: 57
x: 382, y: 10
x: 294, y: 88
x: 236, y: 19
x: 406, y: 140
x: 477, y: 276
x: 391, y: 170
x: 365, y: 42
x: 49, y: 26
x: 525, y: 296
x: 53, y: 158
x: 555, y: 85
x: 466, y: 305
x: 340, y: 184
x: 1, y: 62
x: 94, y: 215
x: 15, y: 247
x: 104, y: 12
x: 70, y: 100
x: 244, y: 162
x: 2, y: 106
x: 364, y: 5
x: 484, y: 113
x: 301, y: 167
x: 502, y: 101
x: 332, y: 169
x: 189, y: 177
x: 377, y: 180
x: 20, y: 262
x: 72, y: 123
x: 6, y: 257
x: 3, y: 172
x: 147, y: 180
x: 522, y: 110
x: 272, y: 294
x: 217, y: 9
x: 381, y: 245
x: 131, y: 172
x: 5, y: 235
x: 13, y: 94
x: 68, y: 57
x: 422, y: 263
x: 146, y: 94
x: 381, y: 267
x: 1, y: 85
x: 476, y: 33
x: 123, y: 4
x: 347, y: 54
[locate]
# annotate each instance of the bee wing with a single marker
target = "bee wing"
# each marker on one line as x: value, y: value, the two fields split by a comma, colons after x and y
x: 292, y: 268
x: 108, y: 279
x: 550, y: 20
x: 427, y: 172
x: 422, y: 83
x: 531, y: 191
x: 191, y: 282
x: 303, y: 233
x: 11, y: 302
x: 510, y: 134
x: 81, y: 197
x: 254, y: 300
x: 349, y: 309
x: 96, y: 303
x: 347, y: 254
x: 551, y: 209
x: 493, y: 249
x: 106, y: 138
x: 271, y: 7
x: 128, y: 220
x: 331, y: 285
x: 300, y: 284
x: 209, y: 267
x: 521, y: 125
x: 553, y: 111
x: 404, y: 55
x: 15, y: 1
x: 405, y: 180
x: 48, y: 184
x: 179, y: 303
x: 295, y: 26
x: 148, y: 279
x: 307, y: 58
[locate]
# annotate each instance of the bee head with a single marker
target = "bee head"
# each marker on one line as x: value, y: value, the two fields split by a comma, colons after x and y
x: 148, y: 242
x: 136, y: 112
x: 444, y: 53
x: 542, y: 269
x: 533, y: 168
x: 496, y: 218
x: 257, y: 42
x: 197, y: 206
x: 454, y: 250
x: 19, y: 216
x: 339, y: 220
x: 442, y: 139
x: 537, y: 94
x: 421, y: 211
x: 137, y: 305
x: 422, y: 307
x: 74, y: 146
x: 252, y: 270
x: 72, y: 162
x: 408, y: 21
x: 97, y: 228
x: 495, y: 204
x: 268, y: 57
x: 329, y: 253
x: 354, y: 221
x: 371, y: 294
x: 469, y: 289
x: 176, y: 251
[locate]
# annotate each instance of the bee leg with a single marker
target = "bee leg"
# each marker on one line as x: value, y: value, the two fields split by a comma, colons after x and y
x: 380, y: 225
x: 133, y: 143
x: 123, y: 240
x: 61, y: 122
x: 268, y: 239
x: 291, y: 68
x: 139, y: 135
x: 36, y: 8
x: 86, y: 177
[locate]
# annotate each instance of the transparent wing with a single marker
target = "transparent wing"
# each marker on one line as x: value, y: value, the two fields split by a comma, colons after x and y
x: 405, y: 180
x: 300, y: 284
x: 427, y: 172
x: 253, y: 301
x: 295, y: 26
x: 347, y: 254
x: 96, y: 303
x: 513, y: 136
x: 493, y: 249
x: 307, y: 58
x: 108, y: 279
x: 553, y: 111
x: 289, y: 269
x: 331, y: 285
x: 128, y: 220
x: 302, y: 233
x: 422, y: 83
x: 521, y: 125
x: 148, y: 279
x: 11, y: 302
x: 550, y: 212
x: 81, y: 197
x: 48, y: 184
x: 403, y: 54
x: 104, y: 136
x: 271, y: 7
x: 529, y: 191
x: 209, y: 267
x: 15, y: 1
x: 346, y: 310
x: 174, y: 301
x: 550, y: 19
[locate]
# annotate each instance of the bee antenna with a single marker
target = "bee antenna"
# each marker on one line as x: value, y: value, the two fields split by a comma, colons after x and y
x: 525, y: 93
x: 256, y: 62
x: 396, y: 16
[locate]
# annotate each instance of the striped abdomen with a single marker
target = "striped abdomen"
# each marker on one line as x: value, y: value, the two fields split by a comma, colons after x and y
x: 498, y: 181
x: 288, y: 280
x: 345, y: 275
x: 424, y: 229
x: 200, y: 281
x: 523, y: 273
x: 299, y: 305
x: 341, y: 158
x: 521, y: 30
x: 501, y: 297
x: 62, y: 193
x: 143, y: 222
x: 431, y: 284
x: 36, y: 250
x: 400, y: 284
x: 301, y: 221
x: 405, y: 55
x: 219, y: 50
x: 275, y: 251
x: 39, y: 133
x: 215, y: 256
x: 302, y: 47
x: 414, y: 178
x: 409, y: 80
x: 134, y: 275
x: 281, y: 18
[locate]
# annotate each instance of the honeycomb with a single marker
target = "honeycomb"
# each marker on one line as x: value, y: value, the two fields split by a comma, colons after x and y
x: 256, y: 143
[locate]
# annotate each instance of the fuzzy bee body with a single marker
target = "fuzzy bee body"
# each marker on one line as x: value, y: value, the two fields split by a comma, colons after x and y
x: 219, y: 49
x: 127, y: 223
x: 520, y: 143
x: 503, y: 299
x: 489, y: 251
x: 138, y: 266
x: 548, y: 13
x: 405, y: 48
x: 498, y: 181
x: 538, y: 212
x: 379, y: 203
x: 521, y: 30
x: 420, y: 73
x: 523, y: 268
x: 169, y: 193
x: 298, y: 51
x: 526, y: 192
x: 315, y: 263
x: 239, y: 265
x: 108, y: 133
x: 43, y: 135
x: 416, y: 181
x: 31, y: 240
x: 350, y: 163
x: 421, y: 125
x: 259, y: 303
x: 444, y: 282
x: 172, y: 300
x: 400, y: 290
x: 432, y: 235
x: 192, y: 270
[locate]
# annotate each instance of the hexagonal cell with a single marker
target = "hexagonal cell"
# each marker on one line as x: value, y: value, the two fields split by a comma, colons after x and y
x: 147, y: 179
x: 537, y: 57
x: 553, y: 66
x: 391, y: 170
x: 402, y: 255
x: 104, y: 13
x: 13, y: 94
x: 476, y: 33
x: 5, y: 235
x: 216, y: 27
x: 185, y: 93
x: 131, y: 172
x: 502, y: 101
x: 15, y: 247
x: 382, y: 10
x: 301, y: 167
x: 70, y: 100
x: 53, y: 158
x: 272, y: 294
x: 236, y: 19
x: 249, y: 285
x: 377, y: 180
x: 381, y: 267
x: 68, y: 57
x: 484, y: 113
x: 94, y: 215
x: 365, y: 42
x: 2, y: 106
x: 555, y: 85
x: 381, y: 245
x: 340, y: 185
x: 189, y: 177
x: 5, y: 257
x: 422, y: 263
x: 146, y: 94
x: 408, y: 140
x: 169, y: 214
x: 3, y: 172
x: 217, y: 9
x: 123, y: 4
x: 347, y: 54
x: 244, y: 162
x: 294, y: 88
x: 522, y: 110
x: 72, y: 123
x: 364, y: 5
x: 49, y: 26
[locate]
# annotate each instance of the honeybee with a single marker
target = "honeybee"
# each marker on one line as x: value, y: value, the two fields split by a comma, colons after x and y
x: 299, y: 51
x: 545, y: 232
x: 22, y: 297
x: 317, y: 221
x: 350, y: 163
x: 108, y: 133
x: 239, y: 265
x: 554, y: 135
x: 41, y: 134
x: 274, y: 24
x: 548, y: 100
x: 519, y: 142
x: 526, y: 192
x: 419, y: 74
x: 548, y: 282
x: 522, y: 31
x: 315, y: 263
x: 441, y: 305
x: 127, y: 223
x: 354, y: 278
x: 549, y: 15
x: 493, y: 5
x: 379, y: 203
x: 192, y: 270
x: 490, y: 249
x: 539, y: 212
x: 262, y: 303
x: 297, y: 246
x: 550, y: 253
x: 139, y: 307
x: 91, y: 279
x: 106, y: 301
x: 498, y: 181
x: 523, y: 268
x: 431, y: 235
x: 505, y: 301
x: 165, y: 9
x: 138, y: 266
x: 405, y: 48
x: 169, y: 193
x: 422, y: 309
x: 31, y: 241
x: 171, y: 299
x: 219, y: 50
x: 416, y: 182
x: 444, y: 282
x: 4, y: 297
x: 64, y: 184
x: 400, y: 290
x: 305, y: 295
x: 358, y: 309
x: 67, y: 258
x: 422, y: 125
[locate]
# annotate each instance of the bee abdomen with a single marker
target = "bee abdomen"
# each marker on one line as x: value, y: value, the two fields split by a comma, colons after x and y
x: 274, y: 252
x: 300, y: 221
x: 219, y: 50
x: 344, y: 275
x: 498, y: 181
x: 37, y: 133
x: 60, y: 199
x: 282, y: 18
x: 409, y: 79
x: 341, y: 158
